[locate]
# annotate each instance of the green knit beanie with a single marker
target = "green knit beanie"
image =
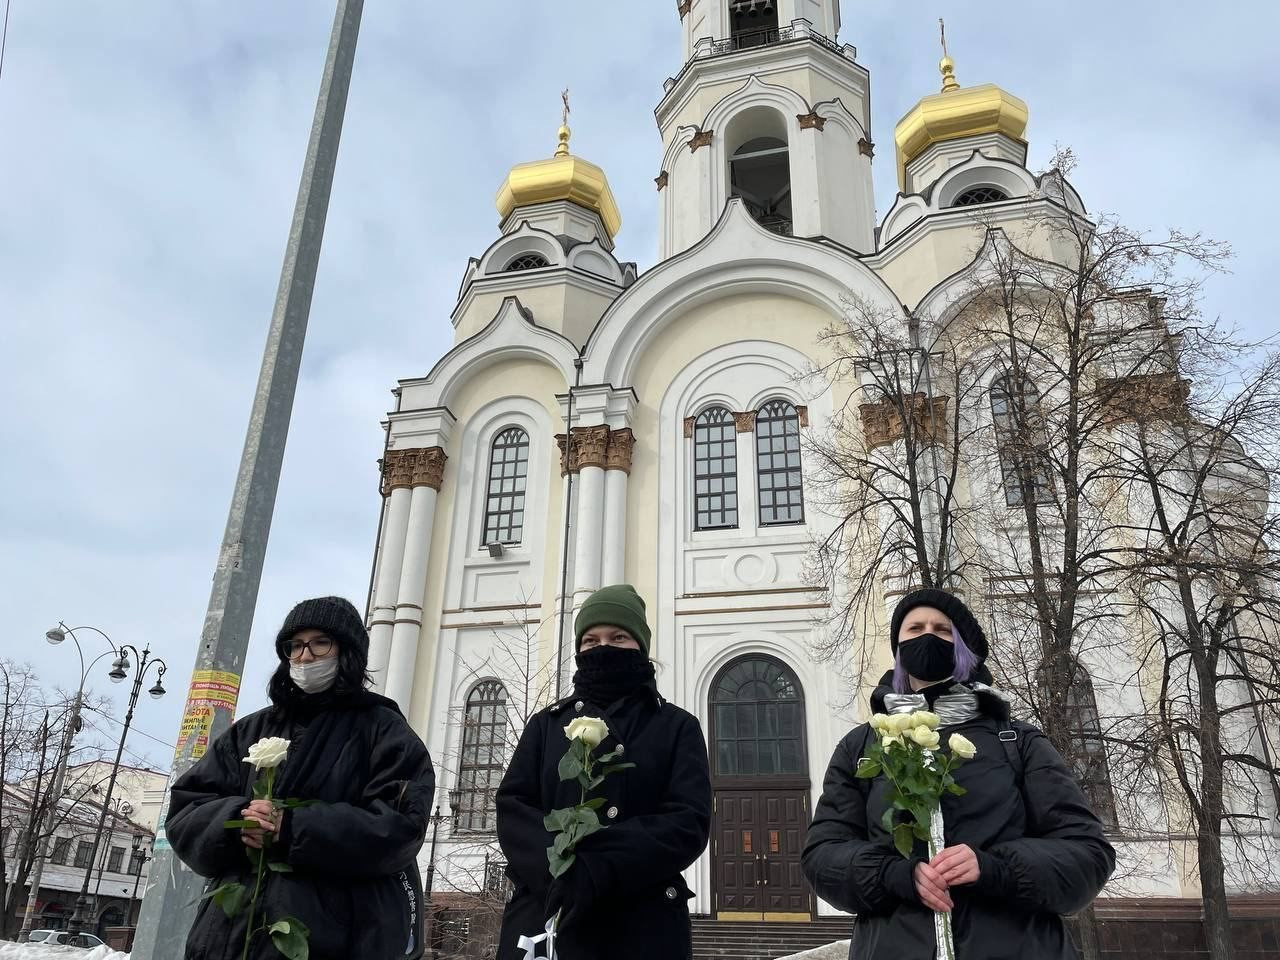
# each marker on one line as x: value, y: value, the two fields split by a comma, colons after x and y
x: 615, y: 606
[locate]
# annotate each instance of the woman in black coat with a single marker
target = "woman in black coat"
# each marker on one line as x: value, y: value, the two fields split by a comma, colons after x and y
x: 1022, y: 846
x: 353, y: 848
x: 624, y: 896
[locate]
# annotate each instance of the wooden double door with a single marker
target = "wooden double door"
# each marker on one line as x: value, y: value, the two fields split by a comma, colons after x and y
x: 759, y: 837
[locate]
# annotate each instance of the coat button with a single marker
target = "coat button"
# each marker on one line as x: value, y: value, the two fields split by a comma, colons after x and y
x: 578, y: 706
x: 671, y: 893
x: 621, y: 750
x: 611, y: 813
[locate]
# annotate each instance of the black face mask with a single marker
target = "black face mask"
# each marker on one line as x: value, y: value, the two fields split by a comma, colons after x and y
x: 928, y: 657
x: 606, y: 674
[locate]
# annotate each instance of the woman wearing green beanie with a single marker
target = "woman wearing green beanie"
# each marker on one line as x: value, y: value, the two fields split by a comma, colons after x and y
x: 624, y: 897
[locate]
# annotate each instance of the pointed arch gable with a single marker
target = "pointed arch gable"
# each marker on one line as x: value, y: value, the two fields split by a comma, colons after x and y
x: 511, y: 334
x: 737, y: 256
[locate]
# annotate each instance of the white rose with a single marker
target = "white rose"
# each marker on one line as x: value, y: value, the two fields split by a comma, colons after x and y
x: 590, y: 730
x: 902, y: 722
x: 889, y: 740
x: 268, y: 753
x: 927, y: 738
x: 962, y: 747
x: 926, y: 719
x: 880, y: 723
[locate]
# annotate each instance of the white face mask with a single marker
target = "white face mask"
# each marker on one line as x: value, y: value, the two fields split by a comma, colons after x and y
x: 316, y: 676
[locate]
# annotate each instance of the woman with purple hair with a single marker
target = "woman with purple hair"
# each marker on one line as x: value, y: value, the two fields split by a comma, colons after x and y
x: 1022, y: 846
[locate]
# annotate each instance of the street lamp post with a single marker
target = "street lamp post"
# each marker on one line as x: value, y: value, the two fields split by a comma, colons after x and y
x: 44, y: 833
x: 436, y: 819
x: 119, y: 670
x: 138, y: 861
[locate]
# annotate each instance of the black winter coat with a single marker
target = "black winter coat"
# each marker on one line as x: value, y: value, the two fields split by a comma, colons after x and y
x: 1041, y: 851
x: 658, y: 816
x: 355, y: 878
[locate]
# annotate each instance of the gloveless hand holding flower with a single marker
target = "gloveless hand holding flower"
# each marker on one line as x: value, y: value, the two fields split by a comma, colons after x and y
x: 288, y: 934
x: 907, y: 753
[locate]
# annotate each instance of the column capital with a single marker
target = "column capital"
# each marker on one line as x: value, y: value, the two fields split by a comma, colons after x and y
x: 412, y: 467
x: 1142, y: 397
x: 745, y: 421
x: 591, y: 445
x: 620, y: 447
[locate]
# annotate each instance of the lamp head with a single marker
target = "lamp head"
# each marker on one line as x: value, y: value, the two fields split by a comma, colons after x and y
x: 55, y: 635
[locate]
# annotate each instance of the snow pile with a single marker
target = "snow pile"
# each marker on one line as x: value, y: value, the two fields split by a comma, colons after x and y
x: 38, y: 951
x: 832, y: 951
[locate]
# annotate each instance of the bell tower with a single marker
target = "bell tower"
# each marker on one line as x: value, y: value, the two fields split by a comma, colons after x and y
x: 769, y: 108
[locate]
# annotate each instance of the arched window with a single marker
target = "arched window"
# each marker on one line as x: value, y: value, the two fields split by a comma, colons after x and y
x: 752, y: 23
x: 760, y: 173
x: 1020, y: 435
x: 715, y: 470
x: 976, y: 195
x: 504, y: 500
x: 758, y: 721
x: 1088, y: 752
x: 484, y: 756
x: 528, y: 261
x: 778, y: 464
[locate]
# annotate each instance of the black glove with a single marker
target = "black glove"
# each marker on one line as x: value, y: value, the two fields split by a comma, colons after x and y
x: 572, y: 893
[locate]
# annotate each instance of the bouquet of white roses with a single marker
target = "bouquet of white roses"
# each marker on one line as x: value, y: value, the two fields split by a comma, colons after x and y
x: 569, y: 825
x: 908, y: 755
x: 288, y: 934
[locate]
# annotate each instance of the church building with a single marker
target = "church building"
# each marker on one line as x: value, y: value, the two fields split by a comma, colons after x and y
x: 593, y: 424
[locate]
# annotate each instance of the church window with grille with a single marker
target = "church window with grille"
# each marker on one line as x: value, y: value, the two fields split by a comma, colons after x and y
x: 504, y: 499
x: 484, y: 755
x: 1087, y: 748
x: 1020, y: 434
x: 715, y: 470
x: 528, y: 261
x: 758, y: 720
x: 979, y: 195
x: 778, y: 464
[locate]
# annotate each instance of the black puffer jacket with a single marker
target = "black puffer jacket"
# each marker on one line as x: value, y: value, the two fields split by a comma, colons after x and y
x: 1040, y: 850
x: 355, y: 879
x: 632, y: 900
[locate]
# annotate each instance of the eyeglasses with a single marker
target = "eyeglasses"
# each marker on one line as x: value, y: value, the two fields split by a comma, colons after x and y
x: 320, y: 648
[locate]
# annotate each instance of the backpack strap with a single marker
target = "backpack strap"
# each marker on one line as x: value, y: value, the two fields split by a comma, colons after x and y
x: 1012, y: 744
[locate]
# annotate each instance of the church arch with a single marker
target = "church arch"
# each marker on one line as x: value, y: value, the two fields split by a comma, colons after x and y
x: 760, y: 167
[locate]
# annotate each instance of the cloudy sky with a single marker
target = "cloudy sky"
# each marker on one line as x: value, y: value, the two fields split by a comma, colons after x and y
x: 149, y: 158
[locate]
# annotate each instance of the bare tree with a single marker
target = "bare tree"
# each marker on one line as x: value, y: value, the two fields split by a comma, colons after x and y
x: 1203, y: 573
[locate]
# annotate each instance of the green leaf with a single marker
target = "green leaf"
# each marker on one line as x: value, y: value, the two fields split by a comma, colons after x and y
x: 956, y: 790
x: 289, y: 936
x: 586, y: 816
x: 570, y: 766
x: 611, y: 756
x: 595, y: 803
x: 886, y: 819
x: 615, y: 768
x: 903, y: 839
x: 559, y: 819
x: 559, y: 864
x: 293, y: 803
x: 561, y: 844
x: 230, y: 897
x: 241, y: 824
x: 867, y: 769
x: 279, y: 866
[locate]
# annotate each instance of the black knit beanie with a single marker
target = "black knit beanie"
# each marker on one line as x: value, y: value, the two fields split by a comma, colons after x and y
x: 334, y: 615
x: 949, y: 604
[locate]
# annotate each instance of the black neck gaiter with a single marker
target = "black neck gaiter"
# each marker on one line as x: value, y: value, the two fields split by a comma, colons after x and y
x: 607, y: 674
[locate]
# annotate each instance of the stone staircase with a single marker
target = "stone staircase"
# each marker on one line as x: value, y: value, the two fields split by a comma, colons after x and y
x: 752, y: 940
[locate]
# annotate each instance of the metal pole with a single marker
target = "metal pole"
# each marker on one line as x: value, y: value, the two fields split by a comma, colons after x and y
x: 82, y: 901
x: 168, y: 904
x: 45, y: 835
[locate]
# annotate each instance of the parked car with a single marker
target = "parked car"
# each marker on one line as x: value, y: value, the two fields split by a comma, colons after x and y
x: 64, y: 939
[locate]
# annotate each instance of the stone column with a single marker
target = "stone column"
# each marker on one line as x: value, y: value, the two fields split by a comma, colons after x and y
x: 748, y: 496
x: 397, y: 480
x: 617, y: 470
x: 590, y: 445
x: 428, y: 474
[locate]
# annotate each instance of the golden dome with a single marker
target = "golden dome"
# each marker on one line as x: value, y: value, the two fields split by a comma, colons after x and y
x: 954, y: 113
x: 562, y: 177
